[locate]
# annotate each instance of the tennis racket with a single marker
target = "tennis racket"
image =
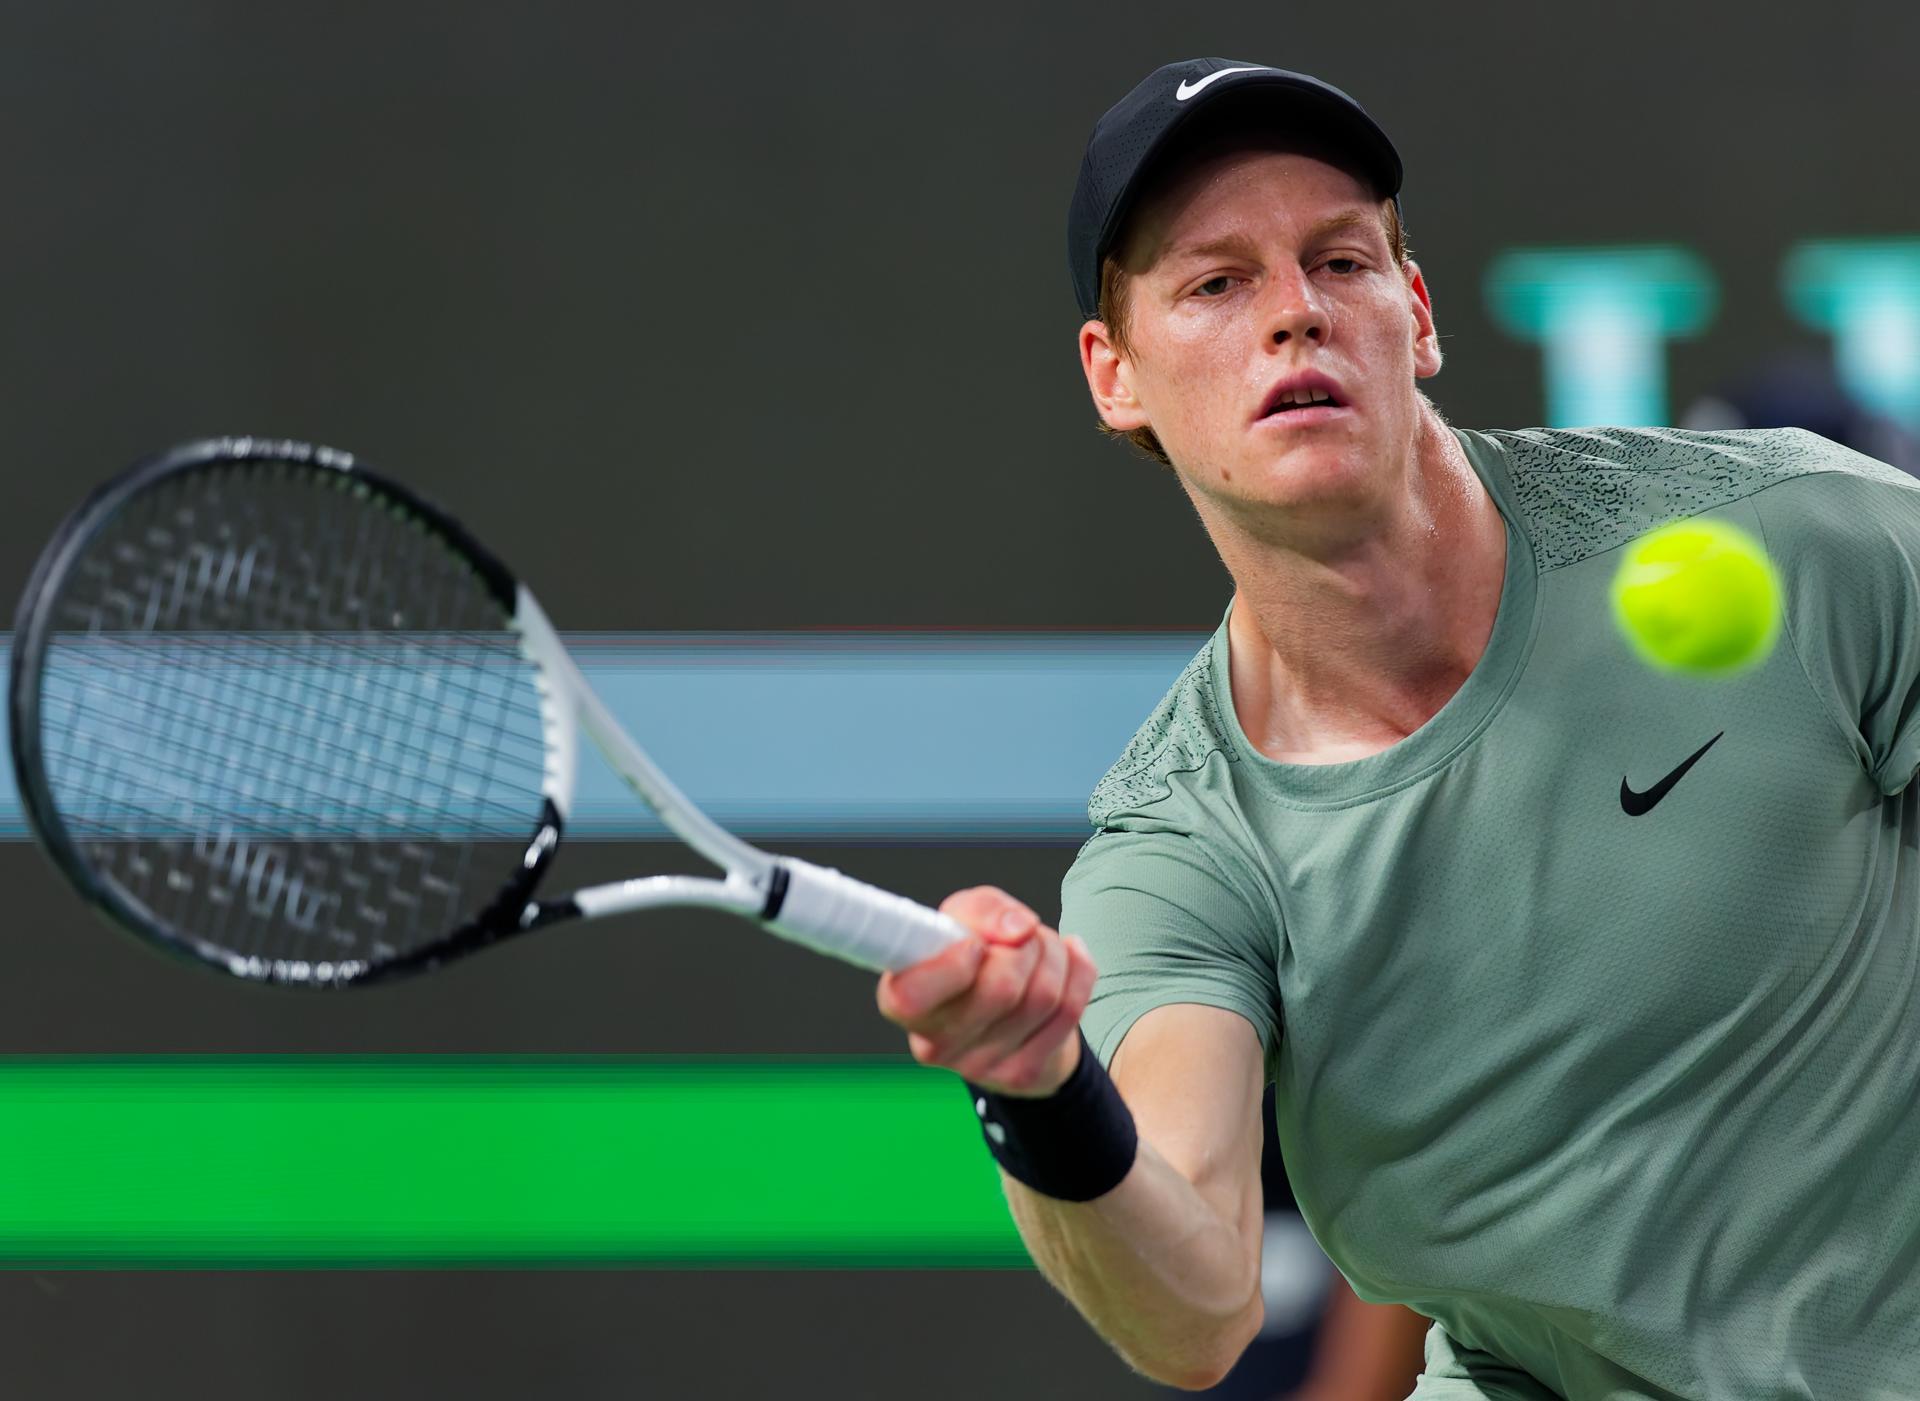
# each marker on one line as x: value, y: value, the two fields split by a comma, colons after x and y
x: 275, y: 712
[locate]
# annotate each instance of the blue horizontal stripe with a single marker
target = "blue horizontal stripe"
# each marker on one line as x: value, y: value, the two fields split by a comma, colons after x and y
x: 863, y: 736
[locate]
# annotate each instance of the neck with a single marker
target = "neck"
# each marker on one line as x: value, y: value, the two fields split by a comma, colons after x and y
x: 1348, y: 634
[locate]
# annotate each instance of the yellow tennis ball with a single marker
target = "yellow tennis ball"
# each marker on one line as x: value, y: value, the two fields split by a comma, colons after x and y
x: 1698, y: 596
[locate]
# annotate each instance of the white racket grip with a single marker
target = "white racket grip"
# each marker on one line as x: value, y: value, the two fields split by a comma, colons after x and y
x: 858, y: 922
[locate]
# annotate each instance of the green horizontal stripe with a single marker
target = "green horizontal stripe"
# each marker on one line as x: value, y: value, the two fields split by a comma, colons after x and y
x: 419, y: 1161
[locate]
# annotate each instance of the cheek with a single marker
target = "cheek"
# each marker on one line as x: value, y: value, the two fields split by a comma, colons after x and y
x: 1214, y: 356
x: 1385, y: 333
x: 1190, y: 350
x: 1185, y: 374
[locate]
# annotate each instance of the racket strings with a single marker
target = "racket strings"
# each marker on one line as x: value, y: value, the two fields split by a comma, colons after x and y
x: 262, y: 815
x: 275, y: 701
x: 286, y: 718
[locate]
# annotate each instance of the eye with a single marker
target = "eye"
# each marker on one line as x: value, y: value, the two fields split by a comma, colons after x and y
x: 1342, y: 266
x: 1222, y: 282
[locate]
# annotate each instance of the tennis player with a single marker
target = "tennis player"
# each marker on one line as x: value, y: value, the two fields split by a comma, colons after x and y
x: 1591, y: 994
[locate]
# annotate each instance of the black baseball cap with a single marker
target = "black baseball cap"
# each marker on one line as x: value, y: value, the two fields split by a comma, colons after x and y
x: 1197, y: 96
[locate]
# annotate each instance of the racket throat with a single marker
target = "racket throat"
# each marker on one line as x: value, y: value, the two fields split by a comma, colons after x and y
x: 540, y: 913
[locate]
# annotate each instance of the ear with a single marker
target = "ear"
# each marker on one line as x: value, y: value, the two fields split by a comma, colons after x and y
x: 1426, y: 340
x: 1109, y: 379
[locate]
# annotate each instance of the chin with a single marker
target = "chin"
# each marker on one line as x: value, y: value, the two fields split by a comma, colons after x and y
x: 1308, y: 467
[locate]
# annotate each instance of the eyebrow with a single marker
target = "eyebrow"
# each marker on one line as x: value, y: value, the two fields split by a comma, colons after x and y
x: 1349, y: 221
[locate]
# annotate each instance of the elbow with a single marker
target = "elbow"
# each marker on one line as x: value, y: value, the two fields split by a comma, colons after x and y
x: 1194, y: 1380
x: 1200, y: 1369
x: 1195, y: 1377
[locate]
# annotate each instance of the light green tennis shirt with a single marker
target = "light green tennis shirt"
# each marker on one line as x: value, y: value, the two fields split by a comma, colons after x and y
x: 1621, y: 1086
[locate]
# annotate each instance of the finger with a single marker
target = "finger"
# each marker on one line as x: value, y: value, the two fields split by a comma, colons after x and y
x: 907, y: 995
x: 1080, y: 981
x: 997, y: 989
x: 1022, y: 1070
x: 1045, y: 987
x: 992, y: 913
x: 956, y: 1023
x: 1083, y: 955
x: 980, y: 1045
x: 1082, y: 974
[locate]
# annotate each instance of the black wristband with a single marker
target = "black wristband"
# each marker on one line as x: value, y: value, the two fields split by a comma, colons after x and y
x: 1076, y: 1144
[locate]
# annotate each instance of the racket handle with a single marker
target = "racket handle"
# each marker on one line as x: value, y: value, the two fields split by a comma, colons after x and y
x: 860, y: 923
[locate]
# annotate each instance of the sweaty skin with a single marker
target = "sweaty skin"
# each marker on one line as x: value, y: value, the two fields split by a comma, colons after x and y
x: 1366, y: 556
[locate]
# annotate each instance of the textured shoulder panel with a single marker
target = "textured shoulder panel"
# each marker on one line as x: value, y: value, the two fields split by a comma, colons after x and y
x: 1184, y: 728
x: 1588, y: 490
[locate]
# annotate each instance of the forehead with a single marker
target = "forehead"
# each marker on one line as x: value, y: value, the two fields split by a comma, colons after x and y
x: 1240, y: 185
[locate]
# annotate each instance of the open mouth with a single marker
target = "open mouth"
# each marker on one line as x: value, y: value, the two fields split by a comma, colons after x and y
x: 1306, y: 399
x: 1301, y: 393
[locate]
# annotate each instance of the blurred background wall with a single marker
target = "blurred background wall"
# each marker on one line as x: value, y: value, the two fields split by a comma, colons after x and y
x: 753, y: 317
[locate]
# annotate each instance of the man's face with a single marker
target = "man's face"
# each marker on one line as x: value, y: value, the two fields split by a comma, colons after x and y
x: 1252, y: 269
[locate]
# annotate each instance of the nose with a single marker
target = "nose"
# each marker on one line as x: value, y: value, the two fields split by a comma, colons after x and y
x: 1296, y: 313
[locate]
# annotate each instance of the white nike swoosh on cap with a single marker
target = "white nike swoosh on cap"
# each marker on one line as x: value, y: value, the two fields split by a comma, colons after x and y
x: 1186, y: 90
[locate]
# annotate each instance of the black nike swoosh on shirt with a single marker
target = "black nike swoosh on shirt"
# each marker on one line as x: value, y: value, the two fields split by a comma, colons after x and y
x: 1634, y: 804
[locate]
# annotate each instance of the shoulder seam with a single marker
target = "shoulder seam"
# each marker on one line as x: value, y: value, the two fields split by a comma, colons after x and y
x: 1750, y: 496
x: 1195, y: 677
x: 1585, y: 491
x: 1507, y: 434
x: 1199, y: 763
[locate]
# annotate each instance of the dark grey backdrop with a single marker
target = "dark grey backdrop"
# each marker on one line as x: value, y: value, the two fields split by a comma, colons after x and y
x: 742, y: 317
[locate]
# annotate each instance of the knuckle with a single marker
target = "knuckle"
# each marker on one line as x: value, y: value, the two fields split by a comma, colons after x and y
x: 999, y: 989
x: 899, y: 1010
x: 1020, y: 960
x: 924, y: 1050
x: 1044, y: 993
x: 966, y: 955
x: 975, y: 1065
x: 1056, y: 970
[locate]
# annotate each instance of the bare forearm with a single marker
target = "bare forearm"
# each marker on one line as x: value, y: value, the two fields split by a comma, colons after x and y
x: 1165, y: 1261
x: 1153, y: 1267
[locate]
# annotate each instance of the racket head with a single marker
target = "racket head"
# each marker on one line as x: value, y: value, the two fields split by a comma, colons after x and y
x: 273, y: 711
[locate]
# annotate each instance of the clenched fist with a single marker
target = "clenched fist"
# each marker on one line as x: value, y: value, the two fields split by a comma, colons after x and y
x: 1002, y: 1007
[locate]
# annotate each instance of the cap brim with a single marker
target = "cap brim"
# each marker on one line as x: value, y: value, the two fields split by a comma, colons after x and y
x: 1343, y: 128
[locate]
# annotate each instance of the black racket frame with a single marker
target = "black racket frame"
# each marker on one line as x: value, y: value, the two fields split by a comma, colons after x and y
x: 34, y: 629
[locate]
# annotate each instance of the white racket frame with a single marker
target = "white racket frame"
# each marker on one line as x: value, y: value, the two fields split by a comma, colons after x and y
x: 813, y: 905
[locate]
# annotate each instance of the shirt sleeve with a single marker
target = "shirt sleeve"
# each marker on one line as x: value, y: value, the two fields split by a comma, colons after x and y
x: 1164, y: 924
x: 1847, y: 545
